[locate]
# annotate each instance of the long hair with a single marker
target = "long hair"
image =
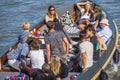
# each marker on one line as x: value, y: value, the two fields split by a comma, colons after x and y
x: 97, y: 10
x: 90, y: 8
x: 55, y: 64
x: 49, y: 14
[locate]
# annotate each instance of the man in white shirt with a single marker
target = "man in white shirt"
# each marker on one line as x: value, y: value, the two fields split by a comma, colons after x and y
x: 106, y: 32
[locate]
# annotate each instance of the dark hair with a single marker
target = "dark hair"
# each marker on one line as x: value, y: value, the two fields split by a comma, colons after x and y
x: 29, y: 40
x: 51, y: 6
x: 46, y: 68
x: 35, y: 45
x: 82, y: 35
x: 50, y: 24
x: 90, y: 28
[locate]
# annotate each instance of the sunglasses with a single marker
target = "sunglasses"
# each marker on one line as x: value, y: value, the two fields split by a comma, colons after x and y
x: 52, y: 9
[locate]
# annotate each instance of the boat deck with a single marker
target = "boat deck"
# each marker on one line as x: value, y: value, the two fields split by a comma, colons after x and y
x: 3, y: 75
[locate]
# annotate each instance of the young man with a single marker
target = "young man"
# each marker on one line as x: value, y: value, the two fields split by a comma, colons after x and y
x: 54, y: 42
x: 85, y: 52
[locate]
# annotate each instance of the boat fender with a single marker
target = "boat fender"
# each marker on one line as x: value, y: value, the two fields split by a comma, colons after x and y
x: 103, y: 75
x: 116, y: 57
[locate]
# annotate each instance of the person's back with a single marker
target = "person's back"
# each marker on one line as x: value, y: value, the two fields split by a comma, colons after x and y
x: 55, y: 40
x: 58, y: 67
x: 44, y: 74
x: 36, y: 55
x: 25, y: 34
x: 87, y: 47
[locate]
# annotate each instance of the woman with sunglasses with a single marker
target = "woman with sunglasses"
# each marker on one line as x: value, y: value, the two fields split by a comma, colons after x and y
x: 51, y: 14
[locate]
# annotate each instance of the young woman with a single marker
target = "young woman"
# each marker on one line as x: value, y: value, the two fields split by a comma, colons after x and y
x: 51, y: 14
x: 86, y: 13
x: 58, y: 67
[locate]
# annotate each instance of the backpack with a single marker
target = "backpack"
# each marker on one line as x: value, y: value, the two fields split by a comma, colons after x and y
x: 20, y: 76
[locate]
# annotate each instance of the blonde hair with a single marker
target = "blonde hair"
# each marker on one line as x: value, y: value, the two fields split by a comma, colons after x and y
x: 55, y: 64
x: 90, y: 8
x: 97, y: 10
x: 25, y: 25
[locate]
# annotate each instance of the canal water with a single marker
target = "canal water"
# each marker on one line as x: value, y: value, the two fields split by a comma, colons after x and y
x: 14, y: 12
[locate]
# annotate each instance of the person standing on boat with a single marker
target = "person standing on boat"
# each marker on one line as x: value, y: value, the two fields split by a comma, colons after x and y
x: 86, y: 13
x: 105, y: 32
x: 85, y: 52
x: 54, y: 42
x: 24, y: 35
x: 21, y: 51
x: 51, y: 14
x: 90, y: 31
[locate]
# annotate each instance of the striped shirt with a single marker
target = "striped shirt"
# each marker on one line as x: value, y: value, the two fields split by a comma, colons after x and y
x: 23, y: 37
x: 105, y: 33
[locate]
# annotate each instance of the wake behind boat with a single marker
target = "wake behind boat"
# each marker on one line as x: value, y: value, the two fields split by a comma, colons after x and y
x: 90, y: 74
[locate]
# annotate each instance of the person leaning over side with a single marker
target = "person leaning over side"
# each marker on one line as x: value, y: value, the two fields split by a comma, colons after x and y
x: 54, y: 42
x: 51, y: 14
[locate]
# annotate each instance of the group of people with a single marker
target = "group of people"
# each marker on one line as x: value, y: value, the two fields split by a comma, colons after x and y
x: 50, y: 64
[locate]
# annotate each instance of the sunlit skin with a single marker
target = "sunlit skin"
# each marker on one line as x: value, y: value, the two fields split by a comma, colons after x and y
x: 87, y: 7
x: 102, y: 25
x: 81, y: 26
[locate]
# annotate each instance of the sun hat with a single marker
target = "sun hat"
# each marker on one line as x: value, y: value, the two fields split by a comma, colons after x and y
x: 104, y: 21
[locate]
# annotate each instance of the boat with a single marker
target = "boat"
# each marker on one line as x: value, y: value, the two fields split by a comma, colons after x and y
x: 92, y: 73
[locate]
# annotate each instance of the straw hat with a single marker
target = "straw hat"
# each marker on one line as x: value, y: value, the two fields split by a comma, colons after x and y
x: 104, y: 21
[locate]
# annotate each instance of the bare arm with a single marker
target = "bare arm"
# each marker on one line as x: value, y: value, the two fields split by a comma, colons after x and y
x: 103, y: 46
x: 48, y: 53
x: 67, y: 45
x: 82, y: 3
x: 84, y: 61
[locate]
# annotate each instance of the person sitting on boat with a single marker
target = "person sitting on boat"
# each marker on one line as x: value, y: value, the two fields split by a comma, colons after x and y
x: 21, y: 51
x: 85, y: 52
x: 51, y: 14
x: 105, y: 32
x: 36, y: 54
x: 24, y: 35
x: 58, y: 67
x: 54, y: 41
x: 86, y: 13
x: 98, y: 16
x: 44, y: 74
x: 37, y: 58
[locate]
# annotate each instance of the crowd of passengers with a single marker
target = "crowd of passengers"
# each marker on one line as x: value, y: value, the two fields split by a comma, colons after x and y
x: 50, y: 63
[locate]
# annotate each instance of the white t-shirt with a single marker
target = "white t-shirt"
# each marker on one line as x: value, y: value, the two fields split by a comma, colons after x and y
x: 84, y: 16
x: 87, y: 48
x: 37, y: 58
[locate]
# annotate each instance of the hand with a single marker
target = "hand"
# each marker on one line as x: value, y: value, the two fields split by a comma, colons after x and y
x: 49, y: 62
x: 84, y: 69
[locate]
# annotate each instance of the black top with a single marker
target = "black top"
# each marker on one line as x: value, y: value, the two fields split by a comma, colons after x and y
x: 39, y: 75
x: 96, y: 46
x: 63, y: 70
